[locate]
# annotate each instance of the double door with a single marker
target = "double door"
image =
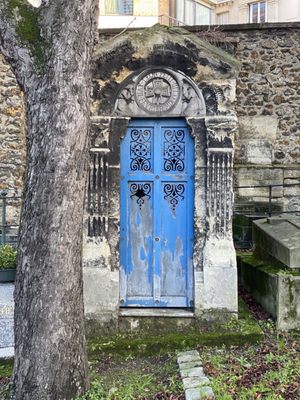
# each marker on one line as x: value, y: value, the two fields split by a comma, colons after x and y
x: 157, y: 207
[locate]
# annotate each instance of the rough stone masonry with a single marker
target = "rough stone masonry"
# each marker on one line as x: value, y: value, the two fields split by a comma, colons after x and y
x: 267, y: 106
x: 263, y: 95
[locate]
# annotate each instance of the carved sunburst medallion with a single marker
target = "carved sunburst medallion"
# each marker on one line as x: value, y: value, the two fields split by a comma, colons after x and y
x: 157, y: 92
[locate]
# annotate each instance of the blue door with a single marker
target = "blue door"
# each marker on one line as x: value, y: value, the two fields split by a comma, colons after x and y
x: 157, y: 204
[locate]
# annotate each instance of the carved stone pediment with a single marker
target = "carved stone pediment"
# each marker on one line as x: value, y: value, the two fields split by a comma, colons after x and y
x: 159, y: 92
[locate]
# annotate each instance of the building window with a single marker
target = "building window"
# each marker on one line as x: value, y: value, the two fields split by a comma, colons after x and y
x: 190, y: 12
x: 120, y: 7
x: 223, y: 18
x: 258, y: 12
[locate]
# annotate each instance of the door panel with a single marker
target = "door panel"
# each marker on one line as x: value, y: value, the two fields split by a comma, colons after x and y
x: 157, y: 202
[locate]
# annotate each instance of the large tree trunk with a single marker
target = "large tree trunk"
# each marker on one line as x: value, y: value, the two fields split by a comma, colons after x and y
x: 50, y: 355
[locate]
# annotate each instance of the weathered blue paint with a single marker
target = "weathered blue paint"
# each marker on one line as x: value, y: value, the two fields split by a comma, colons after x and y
x: 157, y: 205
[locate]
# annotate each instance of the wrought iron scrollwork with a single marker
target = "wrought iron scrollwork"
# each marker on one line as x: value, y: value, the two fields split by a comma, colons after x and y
x: 174, y: 194
x: 174, y: 150
x: 140, y: 191
x: 140, y: 150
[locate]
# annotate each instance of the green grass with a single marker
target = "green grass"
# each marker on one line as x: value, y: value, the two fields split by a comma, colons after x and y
x: 6, y: 367
x: 134, y: 378
x: 269, y: 370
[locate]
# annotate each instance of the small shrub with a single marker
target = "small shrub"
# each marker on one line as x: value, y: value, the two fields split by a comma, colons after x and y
x: 8, y: 257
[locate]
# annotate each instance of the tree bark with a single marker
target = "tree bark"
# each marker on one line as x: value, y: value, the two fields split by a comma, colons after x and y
x: 52, y: 65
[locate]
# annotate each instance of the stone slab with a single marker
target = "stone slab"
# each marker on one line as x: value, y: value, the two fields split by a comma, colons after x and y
x: 6, y: 332
x: 262, y: 286
x: 203, y: 393
x: 188, y: 357
x: 256, y: 151
x: 191, y: 372
x: 257, y: 127
x: 7, y: 294
x: 278, y: 292
x: 6, y: 315
x: 195, y: 382
x: 153, y: 312
x: 280, y: 238
x: 253, y: 176
x: 288, y: 302
x: 7, y: 352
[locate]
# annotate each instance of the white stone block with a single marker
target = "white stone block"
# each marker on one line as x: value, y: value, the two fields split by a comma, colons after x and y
x: 258, y: 151
x: 101, y: 291
x: 220, y: 276
x: 195, y: 382
x: 188, y: 357
x: 258, y: 127
x: 192, y: 372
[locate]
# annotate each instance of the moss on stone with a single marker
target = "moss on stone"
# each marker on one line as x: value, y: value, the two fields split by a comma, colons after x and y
x: 28, y: 29
x: 272, y: 266
x: 235, y: 332
x: 144, y: 41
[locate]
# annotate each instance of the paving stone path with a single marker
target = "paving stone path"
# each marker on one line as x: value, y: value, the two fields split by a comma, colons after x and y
x: 195, y: 382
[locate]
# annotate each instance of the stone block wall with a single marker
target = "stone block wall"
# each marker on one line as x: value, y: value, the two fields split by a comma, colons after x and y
x: 268, y: 109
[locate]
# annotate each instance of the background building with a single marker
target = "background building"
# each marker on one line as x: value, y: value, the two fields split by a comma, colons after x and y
x: 142, y: 13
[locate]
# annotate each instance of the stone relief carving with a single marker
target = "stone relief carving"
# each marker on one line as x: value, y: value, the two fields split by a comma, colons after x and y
x: 219, y: 184
x: 159, y: 92
x: 219, y: 140
x: 210, y: 99
x: 97, y: 201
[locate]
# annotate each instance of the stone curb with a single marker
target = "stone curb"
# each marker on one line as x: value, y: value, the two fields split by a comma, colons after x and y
x: 195, y: 382
x: 6, y: 353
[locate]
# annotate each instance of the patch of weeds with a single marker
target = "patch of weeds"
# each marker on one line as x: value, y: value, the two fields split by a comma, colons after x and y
x: 269, y: 370
x: 6, y: 367
x: 132, y: 378
x: 96, y: 392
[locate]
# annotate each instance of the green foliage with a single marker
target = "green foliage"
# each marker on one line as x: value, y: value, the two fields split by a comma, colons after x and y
x: 28, y: 29
x: 96, y: 392
x: 8, y: 257
x: 6, y: 367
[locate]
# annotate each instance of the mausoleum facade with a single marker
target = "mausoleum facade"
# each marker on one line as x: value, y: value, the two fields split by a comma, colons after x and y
x: 160, y: 194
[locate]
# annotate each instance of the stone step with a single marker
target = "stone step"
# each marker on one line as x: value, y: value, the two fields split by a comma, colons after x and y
x: 6, y: 352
